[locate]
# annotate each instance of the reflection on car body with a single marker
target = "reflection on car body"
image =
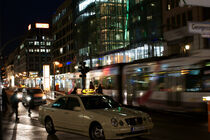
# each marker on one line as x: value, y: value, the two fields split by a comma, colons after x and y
x: 97, y: 116
x: 34, y: 95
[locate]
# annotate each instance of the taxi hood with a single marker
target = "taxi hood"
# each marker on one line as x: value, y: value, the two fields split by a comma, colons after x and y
x: 120, y: 112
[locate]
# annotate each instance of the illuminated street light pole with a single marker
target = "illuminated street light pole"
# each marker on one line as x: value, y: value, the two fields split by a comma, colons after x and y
x: 55, y: 63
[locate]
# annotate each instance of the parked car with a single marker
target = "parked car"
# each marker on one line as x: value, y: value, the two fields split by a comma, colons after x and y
x: 97, y: 116
x: 35, y: 96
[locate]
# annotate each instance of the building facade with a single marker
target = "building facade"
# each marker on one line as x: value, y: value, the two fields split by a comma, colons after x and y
x: 33, y: 53
x: 176, y: 21
x: 145, y: 26
x: 63, y: 47
x: 101, y: 29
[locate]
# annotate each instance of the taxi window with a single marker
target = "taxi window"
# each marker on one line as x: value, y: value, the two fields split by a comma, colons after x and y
x: 60, y: 103
x: 71, y: 103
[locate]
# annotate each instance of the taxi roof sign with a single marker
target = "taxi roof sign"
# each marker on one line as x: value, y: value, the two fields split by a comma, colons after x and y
x: 206, y: 98
x: 88, y: 91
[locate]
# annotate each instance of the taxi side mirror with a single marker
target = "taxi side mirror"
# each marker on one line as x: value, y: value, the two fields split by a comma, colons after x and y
x: 77, y: 108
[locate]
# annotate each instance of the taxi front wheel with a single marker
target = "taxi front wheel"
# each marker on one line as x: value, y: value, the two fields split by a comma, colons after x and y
x: 97, y: 132
x: 49, y: 126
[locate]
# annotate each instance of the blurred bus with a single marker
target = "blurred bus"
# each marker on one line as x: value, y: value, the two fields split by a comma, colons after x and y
x: 177, y: 84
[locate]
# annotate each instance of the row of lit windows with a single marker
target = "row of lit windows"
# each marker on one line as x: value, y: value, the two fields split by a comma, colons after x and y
x: 36, y: 43
x: 172, y: 4
x: 141, y: 52
x: 39, y: 50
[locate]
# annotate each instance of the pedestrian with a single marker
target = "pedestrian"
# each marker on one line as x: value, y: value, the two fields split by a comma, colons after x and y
x: 30, y: 106
x: 99, y: 89
x: 5, y: 101
x: 74, y: 91
x: 14, y: 101
x: 91, y: 85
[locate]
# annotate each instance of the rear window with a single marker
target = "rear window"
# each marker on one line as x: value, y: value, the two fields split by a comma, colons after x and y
x: 34, y: 91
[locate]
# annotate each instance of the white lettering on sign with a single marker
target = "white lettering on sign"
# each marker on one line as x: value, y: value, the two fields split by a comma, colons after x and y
x: 199, y: 28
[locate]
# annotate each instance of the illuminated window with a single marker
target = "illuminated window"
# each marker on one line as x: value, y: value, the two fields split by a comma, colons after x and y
x: 42, y: 43
x: 31, y: 43
x: 169, y: 7
x: 61, y: 50
x: 158, y: 50
x: 36, y: 42
x: 43, y: 37
x: 37, y: 50
x: 149, y: 17
x: 48, y: 43
x: 21, y: 46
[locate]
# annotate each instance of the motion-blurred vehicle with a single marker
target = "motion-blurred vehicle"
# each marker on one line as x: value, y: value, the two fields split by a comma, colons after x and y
x: 20, y: 91
x: 97, y: 116
x: 35, y: 96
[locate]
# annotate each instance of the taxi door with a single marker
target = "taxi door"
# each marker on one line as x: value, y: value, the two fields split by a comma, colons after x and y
x: 57, y: 112
x: 74, y: 119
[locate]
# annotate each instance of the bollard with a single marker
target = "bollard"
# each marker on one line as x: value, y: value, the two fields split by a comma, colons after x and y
x: 208, y: 116
x: 207, y: 99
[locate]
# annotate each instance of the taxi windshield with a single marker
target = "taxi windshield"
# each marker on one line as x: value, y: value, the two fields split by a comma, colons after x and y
x: 99, y: 102
x: 34, y: 91
x: 19, y: 89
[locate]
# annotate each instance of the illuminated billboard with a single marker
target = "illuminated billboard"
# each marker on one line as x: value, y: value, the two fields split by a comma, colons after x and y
x: 42, y: 25
x: 46, y: 77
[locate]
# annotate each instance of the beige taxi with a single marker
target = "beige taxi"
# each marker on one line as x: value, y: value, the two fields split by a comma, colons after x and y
x: 96, y: 116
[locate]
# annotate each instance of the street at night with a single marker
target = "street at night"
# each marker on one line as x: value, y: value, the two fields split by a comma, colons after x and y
x: 105, y: 69
x: 167, y: 126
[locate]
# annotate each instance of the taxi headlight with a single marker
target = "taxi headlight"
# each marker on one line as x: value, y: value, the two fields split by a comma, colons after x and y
x: 28, y: 98
x: 44, y: 97
x: 19, y: 96
x: 114, y: 122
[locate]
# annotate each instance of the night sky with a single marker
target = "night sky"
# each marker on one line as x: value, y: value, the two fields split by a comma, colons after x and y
x: 18, y: 14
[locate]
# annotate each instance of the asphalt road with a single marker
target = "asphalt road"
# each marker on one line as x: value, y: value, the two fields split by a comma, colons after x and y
x: 167, y: 126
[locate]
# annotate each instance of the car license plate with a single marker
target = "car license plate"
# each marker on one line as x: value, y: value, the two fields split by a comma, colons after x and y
x: 137, y: 128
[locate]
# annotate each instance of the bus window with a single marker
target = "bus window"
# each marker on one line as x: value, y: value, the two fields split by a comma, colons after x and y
x: 193, y: 81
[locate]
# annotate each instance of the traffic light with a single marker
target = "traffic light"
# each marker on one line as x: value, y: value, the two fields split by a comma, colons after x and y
x: 83, y: 69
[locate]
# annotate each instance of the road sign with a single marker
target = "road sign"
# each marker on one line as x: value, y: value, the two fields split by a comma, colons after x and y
x: 199, y: 28
x: 203, y: 3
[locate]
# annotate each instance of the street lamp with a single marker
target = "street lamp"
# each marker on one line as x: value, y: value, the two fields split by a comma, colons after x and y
x: 187, y: 47
x: 55, y: 63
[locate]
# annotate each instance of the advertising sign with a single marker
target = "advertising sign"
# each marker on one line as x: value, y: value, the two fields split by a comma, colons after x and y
x: 199, y: 28
x: 46, y: 77
x: 42, y: 25
x: 204, y: 3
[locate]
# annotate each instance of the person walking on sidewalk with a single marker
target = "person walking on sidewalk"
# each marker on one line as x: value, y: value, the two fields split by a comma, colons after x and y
x: 30, y: 106
x: 74, y: 91
x: 5, y: 101
x: 14, y: 101
x: 99, y: 89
